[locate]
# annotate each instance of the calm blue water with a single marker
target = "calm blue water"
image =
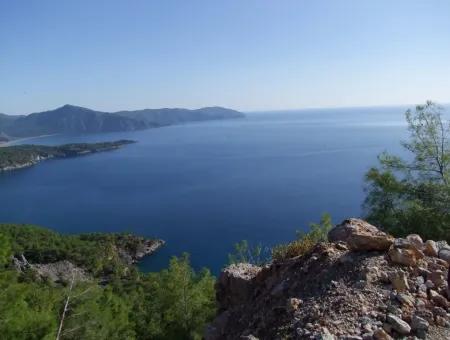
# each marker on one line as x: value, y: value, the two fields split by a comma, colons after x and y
x: 202, y: 187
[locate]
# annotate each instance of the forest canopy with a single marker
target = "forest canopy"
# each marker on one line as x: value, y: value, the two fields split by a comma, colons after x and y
x: 113, y: 300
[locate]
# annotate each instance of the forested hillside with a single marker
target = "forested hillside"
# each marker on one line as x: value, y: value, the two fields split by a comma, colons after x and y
x: 20, y: 156
x: 84, y: 287
x: 75, y: 119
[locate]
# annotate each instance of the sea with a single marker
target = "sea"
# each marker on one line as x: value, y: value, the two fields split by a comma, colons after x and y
x: 202, y: 187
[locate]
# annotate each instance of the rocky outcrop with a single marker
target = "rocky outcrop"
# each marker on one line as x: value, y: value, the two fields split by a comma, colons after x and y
x: 144, y: 248
x: 235, y: 284
x: 61, y: 271
x: 128, y: 249
x: 360, y: 235
x: 363, y: 284
x: 57, y: 272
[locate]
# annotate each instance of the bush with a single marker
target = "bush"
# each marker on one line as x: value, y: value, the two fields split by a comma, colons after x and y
x: 244, y: 253
x: 305, y: 241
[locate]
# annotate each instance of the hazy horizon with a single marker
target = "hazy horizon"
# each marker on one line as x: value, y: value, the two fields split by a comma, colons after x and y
x: 445, y: 105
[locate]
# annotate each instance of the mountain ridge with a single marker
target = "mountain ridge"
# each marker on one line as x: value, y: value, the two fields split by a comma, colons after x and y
x: 76, y: 119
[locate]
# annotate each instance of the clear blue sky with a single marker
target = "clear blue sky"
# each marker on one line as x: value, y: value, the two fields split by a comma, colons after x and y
x: 243, y: 54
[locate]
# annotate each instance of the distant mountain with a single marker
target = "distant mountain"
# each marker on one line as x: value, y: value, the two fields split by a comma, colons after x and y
x: 178, y: 116
x: 75, y: 119
x: 69, y: 119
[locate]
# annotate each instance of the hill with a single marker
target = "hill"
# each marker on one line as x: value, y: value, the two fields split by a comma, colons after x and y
x: 96, y: 253
x: 75, y: 119
x: 87, y: 286
x: 178, y: 116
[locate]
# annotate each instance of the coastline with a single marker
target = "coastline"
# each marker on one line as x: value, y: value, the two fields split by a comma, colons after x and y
x: 129, y: 249
x: 150, y: 246
x: 25, y: 156
x: 146, y: 247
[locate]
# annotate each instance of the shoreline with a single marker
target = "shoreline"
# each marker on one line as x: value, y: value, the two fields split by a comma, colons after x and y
x: 151, y: 246
x: 23, y: 155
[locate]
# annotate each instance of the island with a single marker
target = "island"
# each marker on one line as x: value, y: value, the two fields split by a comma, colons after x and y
x: 22, y: 156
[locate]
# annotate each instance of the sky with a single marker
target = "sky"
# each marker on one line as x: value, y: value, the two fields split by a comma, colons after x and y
x: 243, y: 54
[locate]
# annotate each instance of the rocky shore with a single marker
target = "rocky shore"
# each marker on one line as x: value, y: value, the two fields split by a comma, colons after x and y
x: 361, y: 285
x: 20, y: 165
x: 145, y: 248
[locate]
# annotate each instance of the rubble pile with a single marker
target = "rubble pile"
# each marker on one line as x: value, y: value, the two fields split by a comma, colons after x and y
x: 363, y: 284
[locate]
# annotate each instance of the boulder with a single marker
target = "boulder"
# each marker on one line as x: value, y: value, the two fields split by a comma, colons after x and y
x: 430, y: 248
x: 380, y: 334
x: 399, y: 281
x: 360, y: 236
x: 398, y: 324
x: 437, y: 277
x: 404, y: 243
x: 416, y: 240
x: 418, y: 323
x: 406, y: 257
x: 444, y: 254
x: 438, y: 299
x: 405, y: 299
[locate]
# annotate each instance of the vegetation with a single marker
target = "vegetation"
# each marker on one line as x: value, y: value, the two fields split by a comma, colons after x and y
x: 100, y: 254
x: 258, y: 255
x: 5, y: 249
x: 244, y: 253
x: 413, y: 195
x: 116, y: 301
x: 175, y: 303
x: 75, y: 119
x: 305, y: 241
x: 24, y: 155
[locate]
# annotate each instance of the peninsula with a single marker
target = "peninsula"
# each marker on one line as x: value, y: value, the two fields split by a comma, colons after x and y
x: 22, y: 156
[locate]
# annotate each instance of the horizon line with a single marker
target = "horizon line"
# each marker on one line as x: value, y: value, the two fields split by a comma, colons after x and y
x: 246, y: 111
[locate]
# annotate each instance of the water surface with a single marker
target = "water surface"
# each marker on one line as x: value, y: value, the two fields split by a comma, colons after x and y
x: 204, y: 186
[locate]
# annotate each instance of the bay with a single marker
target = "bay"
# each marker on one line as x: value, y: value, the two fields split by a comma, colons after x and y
x: 204, y: 186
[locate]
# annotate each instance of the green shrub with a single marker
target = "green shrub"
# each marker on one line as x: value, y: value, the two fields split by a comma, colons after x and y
x: 305, y: 241
x: 245, y: 253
